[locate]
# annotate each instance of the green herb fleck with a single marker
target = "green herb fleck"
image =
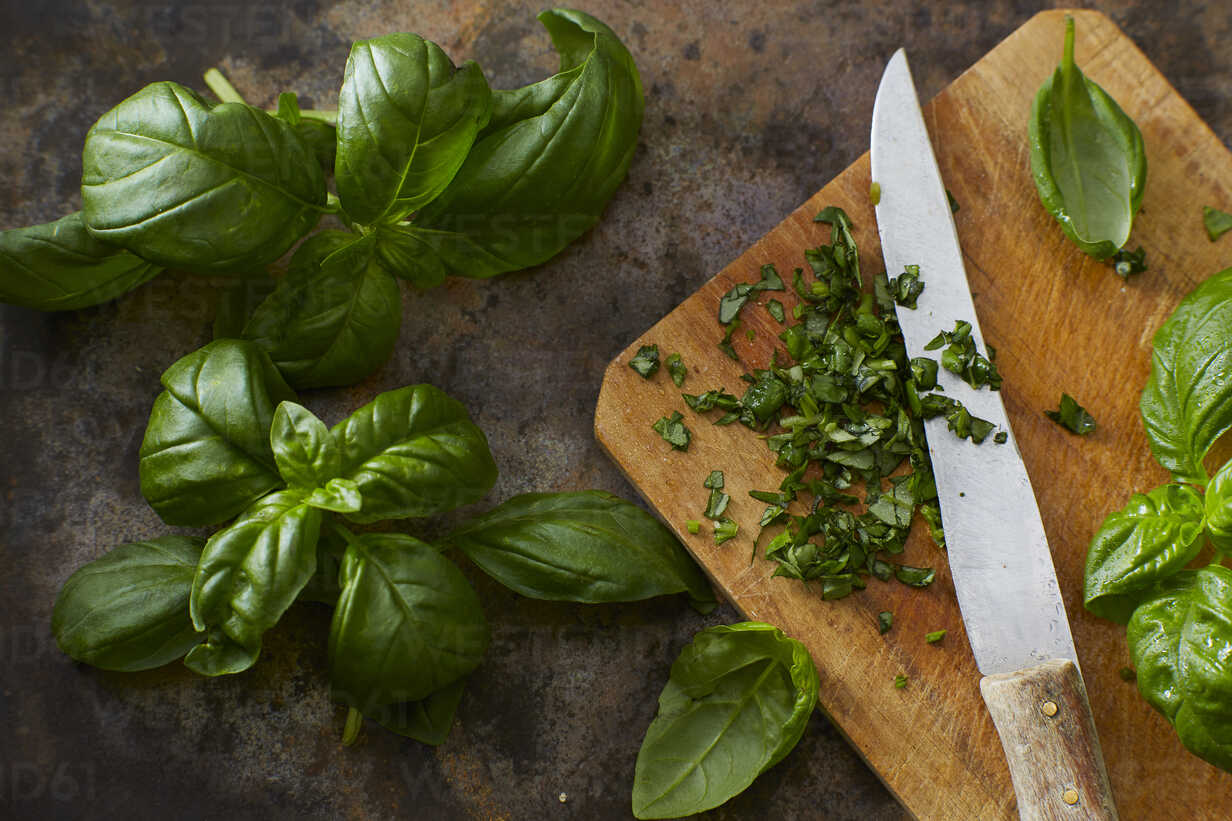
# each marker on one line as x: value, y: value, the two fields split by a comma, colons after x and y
x: 724, y: 529
x: 900, y: 681
x: 716, y: 504
x: 673, y: 431
x: 1128, y: 263
x: 935, y: 636
x: 885, y: 620
x: 646, y: 361
x: 961, y: 357
x: 775, y: 308
x: 693, y: 526
x: 1127, y: 674
x: 714, y: 480
x: 914, y: 576
x: 953, y: 202
x: 676, y: 368
x: 1217, y: 222
x: 874, y: 193
x: 1072, y: 416
x: 725, y: 346
x: 1001, y: 438
x: 907, y: 287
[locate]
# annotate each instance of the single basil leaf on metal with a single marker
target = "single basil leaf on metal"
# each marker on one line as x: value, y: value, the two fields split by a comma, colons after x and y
x: 406, y: 120
x: 1180, y: 642
x: 1187, y: 402
x: 402, y: 251
x: 1087, y: 157
x: 552, y: 156
x: 1153, y: 537
x: 206, y: 454
x: 334, y: 318
x: 305, y: 453
x: 427, y: 720
x: 129, y: 609
x: 318, y: 135
x: 738, y: 700
x: 59, y: 266
x: 249, y: 574
x: 407, y: 624
x: 337, y: 495
x: 206, y: 188
x: 588, y: 546
x: 413, y: 452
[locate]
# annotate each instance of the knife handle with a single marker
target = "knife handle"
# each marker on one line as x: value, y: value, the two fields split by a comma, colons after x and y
x: 1044, y: 720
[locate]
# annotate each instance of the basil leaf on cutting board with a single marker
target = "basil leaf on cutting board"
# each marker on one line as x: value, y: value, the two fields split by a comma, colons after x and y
x: 738, y: 700
x: 1187, y: 402
x: 128, y: 610
x: 206, y: 188
x: 1087, y: 157
x: 587, y: 546
x: 406, y: 119
x: 206, y: 453
x: 60, y: 266
x: 1153, y: 537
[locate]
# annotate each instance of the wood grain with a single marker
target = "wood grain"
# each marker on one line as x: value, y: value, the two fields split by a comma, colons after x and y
x: 1060, y: 322
x: 1044, y: 720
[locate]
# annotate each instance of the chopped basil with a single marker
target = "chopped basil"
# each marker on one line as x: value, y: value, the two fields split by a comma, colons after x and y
x: 874, y: 193
x: 725, y: 345
x: 693, y: 526
x: 733, y: 301
x: 646, y: 361
x: 714, y: 480
x: 1072, y: 416
x: 914, y: 576
x: 716, y: 504
x: 673, y: 431
x: 907, y: 287
x: 935, y: 636
x: 676, y: 369
x: 1217, y: 222
x: 1001, y: 438
x: 1128, y: 263
x: 724, y: 529
x: 953, y: 202
x: 885, y: 620
x: 900, y: 681
x: 776, y: 310
x: 960, y: 357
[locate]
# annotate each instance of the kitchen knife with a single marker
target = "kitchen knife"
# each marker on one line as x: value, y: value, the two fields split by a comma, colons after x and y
x: 998, y: 553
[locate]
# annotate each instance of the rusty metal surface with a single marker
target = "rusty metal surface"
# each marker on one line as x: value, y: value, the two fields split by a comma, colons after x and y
x: 750, y: 108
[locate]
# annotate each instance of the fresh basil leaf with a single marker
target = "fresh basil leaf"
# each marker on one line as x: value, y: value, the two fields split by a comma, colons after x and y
x: 59, y: 266
x: 318, y: 135
x: 129, y: 609
x: 249, y: 574
x: 584, y: 547
x: 1187, y: 402
x: 403, y: 253
x: 1216, y: 222
x: 1217, y: 502
x: 427, y: 720
x: 1087, y: 157
x: 673, y: 431
x: 306, y: 455
x: 406, y: 625
x: 1153, y: 537
x: 337, y: 495
x: 646, y: 361
x: 323, y: 587
x: 206, y: 188
x: 1180, y: 642
x: 334, y: 318
x: 738, y: 700
x: 237, y: 302
x: 406, y: 120
x: 550, y: 159
x: 413, y: 452
x: 1072, y: 416
x: 206, y: 453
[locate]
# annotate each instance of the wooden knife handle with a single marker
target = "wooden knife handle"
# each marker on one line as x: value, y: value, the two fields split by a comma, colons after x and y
x: 1044, y: 720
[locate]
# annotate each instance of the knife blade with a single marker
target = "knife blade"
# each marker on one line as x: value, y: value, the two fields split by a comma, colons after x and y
x: 996, y: 546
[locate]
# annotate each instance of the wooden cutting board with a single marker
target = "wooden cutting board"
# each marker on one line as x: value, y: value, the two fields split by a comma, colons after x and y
x: 1060, y: 322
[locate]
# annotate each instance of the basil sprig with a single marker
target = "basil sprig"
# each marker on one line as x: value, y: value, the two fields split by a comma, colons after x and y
x: 1179, y: 619
x: 1087, y: 157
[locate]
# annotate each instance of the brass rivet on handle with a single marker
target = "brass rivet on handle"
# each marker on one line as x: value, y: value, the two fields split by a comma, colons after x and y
x: 1049, y: 708
x: 1070, y: 796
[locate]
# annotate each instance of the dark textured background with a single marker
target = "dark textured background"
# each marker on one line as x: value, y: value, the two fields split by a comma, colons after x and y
x: 750, y: 108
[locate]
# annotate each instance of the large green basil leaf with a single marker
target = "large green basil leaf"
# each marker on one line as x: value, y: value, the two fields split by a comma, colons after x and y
x: 406, y: 625
x: 427, y: 720
x: 1187, y: 402
x: 129, y: 609
x: 737, y: 701
x: 306, y: 455
x: 249, y: 574
x: 60, y: 266
x: 334, y: 318
x: 403, y: 252
x: 406, y: 120
x: 584, y: 547
x: 1087, y: 157
x: 1219, y: 509
x: 1181, y: 645
x: 212, y: 189
x: 206, y: 453
x: 414, y: 452
x: 321, y: 137
x: 544, y: 169
x: 1151, y: 538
